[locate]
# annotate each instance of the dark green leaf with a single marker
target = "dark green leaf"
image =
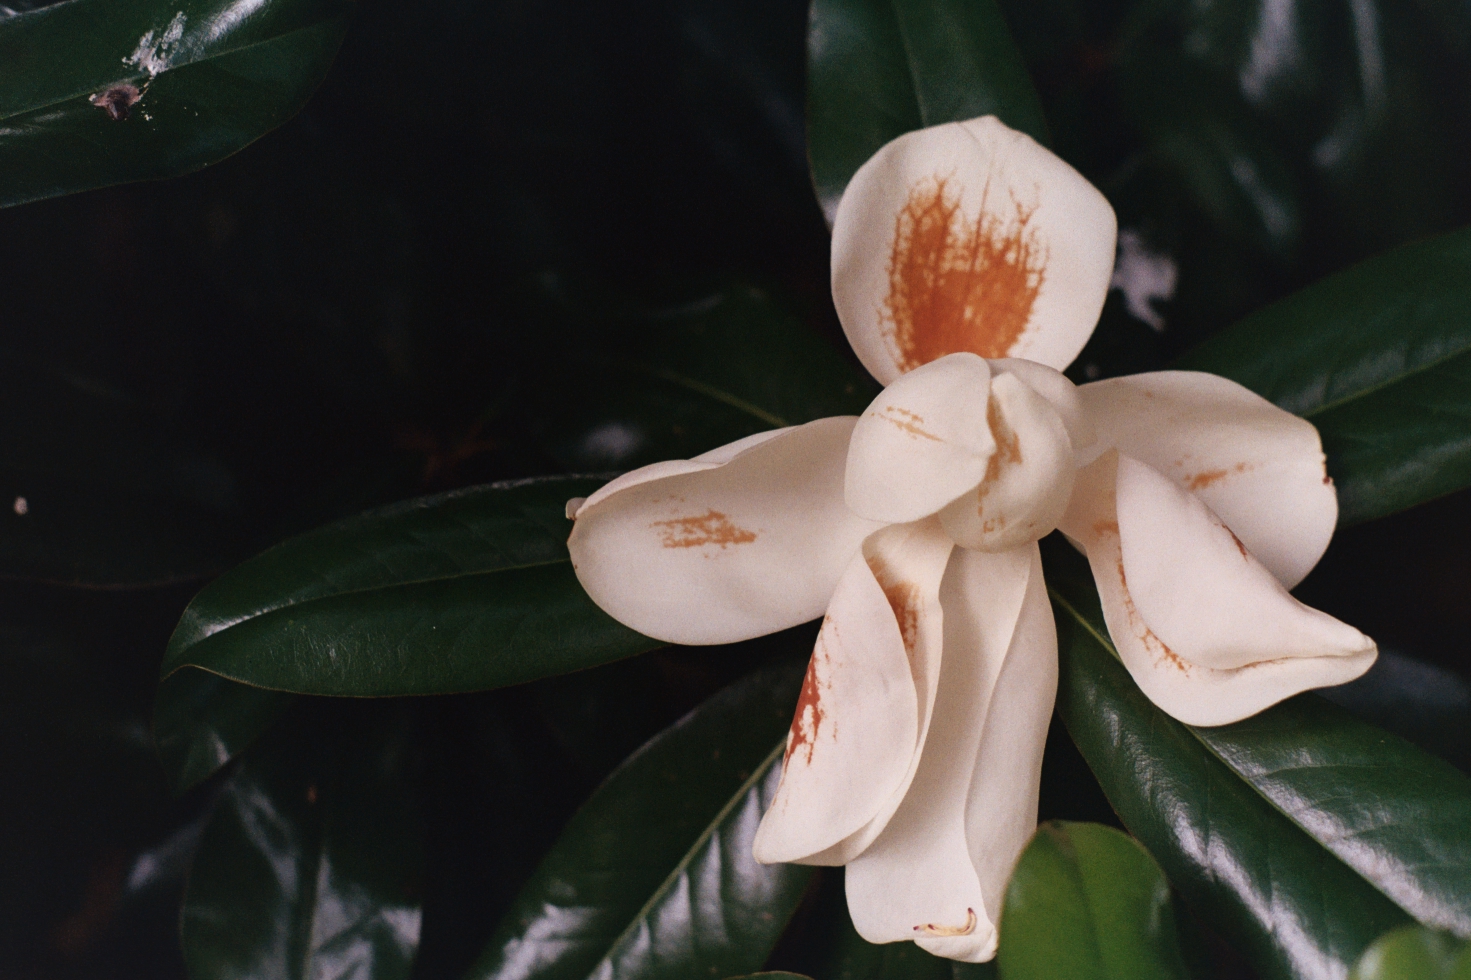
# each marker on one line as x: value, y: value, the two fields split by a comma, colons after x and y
x: 201, y: 721
x: 98, y: 92
x: 308, y: 868
x: 1378, y: 357
x: 877, y: 69
x: 1415, y: 953
x: 465, y: 591
x: 1395, y: 814
x: 773, y: 975
x: 654, y: 875
x: 1291, y: 907
x: 675, y: 382
x: 1101, y: 890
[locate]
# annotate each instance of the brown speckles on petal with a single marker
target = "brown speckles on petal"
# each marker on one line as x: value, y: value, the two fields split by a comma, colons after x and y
x: 957, y: 283
x: 906, y: 420
x: 711, y: 527
x: 931, y: 929
x: 1245, y: 555
x: 1008, y: 454
x: 1157, y: 647
x: 1205, y: 478
x: 903, y: 599
x: 809, y: 715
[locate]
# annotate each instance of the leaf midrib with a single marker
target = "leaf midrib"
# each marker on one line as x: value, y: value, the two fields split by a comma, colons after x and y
x: 760, y: 773
x: 1387, y: 382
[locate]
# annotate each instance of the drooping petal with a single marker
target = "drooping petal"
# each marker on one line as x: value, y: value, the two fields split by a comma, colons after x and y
x: 1206, y: 631
x: 923, y: 442
x: 866, y: 702
x: 701, y: 552
x: 969, y: 237
x: 918, y: 880
x: 1029, y: 479
x: 1259, y: 467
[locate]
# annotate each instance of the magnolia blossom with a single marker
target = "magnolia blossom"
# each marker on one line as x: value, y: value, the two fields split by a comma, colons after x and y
x: 969, y: 265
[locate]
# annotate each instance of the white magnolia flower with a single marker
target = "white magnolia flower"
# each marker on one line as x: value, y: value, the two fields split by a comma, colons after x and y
x: 969, y: 265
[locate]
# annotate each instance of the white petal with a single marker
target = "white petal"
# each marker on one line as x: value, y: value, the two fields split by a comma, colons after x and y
x: 923, y: 442
x: 1259, y: 467
x: 918, y: 881
x: 866, y: 701
x: 969, y: 237
x: 1166, y: 566
x: 1029, y: 479
x: 1001, y: 814
x: 697, y: 553
x: 1060, y: 393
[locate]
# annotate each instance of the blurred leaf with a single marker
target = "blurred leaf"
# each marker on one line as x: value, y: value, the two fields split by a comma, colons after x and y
x: 1415, y: 953
x: 201, y: 721
x: 1378, y: 357
x: 877, y: 69
x: 1418, y: 701
x: 1291, y: 907
x: 465, y: 591
x: 98, y: 92
x: 95, y: 495
x: 309, y: 865
x: 654, y: 875
x: 675, y: 382
x: 1104, y: 893
x: 774, y: 975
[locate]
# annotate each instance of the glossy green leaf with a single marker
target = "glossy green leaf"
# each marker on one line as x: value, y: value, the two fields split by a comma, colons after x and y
x: 1287, y: 903
x: 309, y: 866
x: 654, y: 876
x: 773, y: 975
x: 1415, y: 953
x: 201, y: 721
x: 877, y: 69
x: 465, y: 591
x: 1394, y: 813
x: 675, y: 381
x: 1101, y: 891
x: 98, y: 92
x: 1378, y: 357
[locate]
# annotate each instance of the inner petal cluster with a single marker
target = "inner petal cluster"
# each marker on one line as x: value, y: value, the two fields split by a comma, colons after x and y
x: 986, y: 445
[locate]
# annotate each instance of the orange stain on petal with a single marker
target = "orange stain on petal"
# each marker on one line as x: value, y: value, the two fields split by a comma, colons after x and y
x: 1208, y: 477
x: 906, y: 421
x: 957, y: 283
x: 903, y: 599
x: 931, y: 929
x: 809, y: 715
x: 711, y: 527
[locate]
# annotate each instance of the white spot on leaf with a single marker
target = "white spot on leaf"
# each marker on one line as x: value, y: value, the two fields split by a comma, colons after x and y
x: 153, y: 55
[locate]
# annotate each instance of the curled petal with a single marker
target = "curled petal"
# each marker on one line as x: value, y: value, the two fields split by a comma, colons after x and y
x: 866, y: 702
x: 1207, y: 632
x: 923, y: 442
x: 713, y: 552
x: 1060, y: 393
x: 922, y: 878
x: 969, y: 237
x: 1260, y: 468
x: 1029, y: 479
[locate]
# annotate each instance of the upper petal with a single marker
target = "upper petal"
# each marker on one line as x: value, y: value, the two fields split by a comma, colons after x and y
x: 1207, y: 632
x: 923, y: 442
x: 714, y: 552
x: 919, y: 879
x: 865, y: 704
x: 969, y: 237
x: 1259, y: 467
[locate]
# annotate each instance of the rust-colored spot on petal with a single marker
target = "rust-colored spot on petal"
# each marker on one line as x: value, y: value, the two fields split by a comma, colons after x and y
x: 1239, y: 546
x: 711, y: 527
x: 1106, y: 527
x: 1205, y: 478
x: 957, y: 283
x: 903, y: 599
x: 809, y: 715
x: 1152, y: 643
x: 931, y: 929
x: 906, y: 421
x: 1008, y: 453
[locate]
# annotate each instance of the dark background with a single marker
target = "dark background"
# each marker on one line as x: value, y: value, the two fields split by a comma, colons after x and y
x: 394, y: 294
